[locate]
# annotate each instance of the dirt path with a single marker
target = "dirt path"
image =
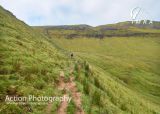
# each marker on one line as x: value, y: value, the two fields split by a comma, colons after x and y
x: 76, y: 96
x: 48, y: 109
x: 63, y: 107
x: 61, y: 86
x: 69, y: 86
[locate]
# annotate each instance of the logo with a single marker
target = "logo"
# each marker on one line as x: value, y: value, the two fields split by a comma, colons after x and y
x: 36, y: 100
x: 140, y: 16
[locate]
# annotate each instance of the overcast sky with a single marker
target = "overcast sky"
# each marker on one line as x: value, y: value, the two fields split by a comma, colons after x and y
x: 91, y: 12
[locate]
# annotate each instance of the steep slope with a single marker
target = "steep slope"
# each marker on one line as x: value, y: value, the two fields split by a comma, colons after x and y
x: 121, y: 75
x: 29, y: 65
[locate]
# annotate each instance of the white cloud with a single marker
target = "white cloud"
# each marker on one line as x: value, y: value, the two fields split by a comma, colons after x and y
x: 93, y: 12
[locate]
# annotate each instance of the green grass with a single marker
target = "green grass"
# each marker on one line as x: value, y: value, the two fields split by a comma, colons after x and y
x: 126, y: 70
x: 29, y: 64
x: 118, y: 75
x: 71, y: 109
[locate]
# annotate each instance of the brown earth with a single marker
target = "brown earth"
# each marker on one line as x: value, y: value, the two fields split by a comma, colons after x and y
x: 69, y: 86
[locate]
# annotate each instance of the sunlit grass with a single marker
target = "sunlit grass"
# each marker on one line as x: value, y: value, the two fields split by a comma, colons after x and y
x: 127, y: 70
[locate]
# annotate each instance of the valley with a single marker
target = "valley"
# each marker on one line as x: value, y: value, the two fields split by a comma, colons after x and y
x: 114, y: 69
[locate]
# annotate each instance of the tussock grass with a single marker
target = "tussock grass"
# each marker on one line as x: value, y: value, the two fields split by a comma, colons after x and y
x: 29, y: 64
x: 124, y: 75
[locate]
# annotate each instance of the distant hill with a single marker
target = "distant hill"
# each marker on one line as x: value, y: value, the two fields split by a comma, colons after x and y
x: 109, y: 76
x: 70, y: 27
x: 129, y: 24
x: 122, y: 29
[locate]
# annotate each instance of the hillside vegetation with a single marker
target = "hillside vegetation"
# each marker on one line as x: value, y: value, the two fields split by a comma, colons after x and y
x: 29, y: 65
x: 118, y: 75
x: 121, y: 74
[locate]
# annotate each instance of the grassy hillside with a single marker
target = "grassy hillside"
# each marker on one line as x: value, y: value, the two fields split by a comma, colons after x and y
x: 29, y: 65
x: 114, y: 76
x: 123, y: 73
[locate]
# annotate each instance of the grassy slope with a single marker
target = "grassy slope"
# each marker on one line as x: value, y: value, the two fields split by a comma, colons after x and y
x: 123, y: 77
x: 29, y: 64
x: 127, y: 70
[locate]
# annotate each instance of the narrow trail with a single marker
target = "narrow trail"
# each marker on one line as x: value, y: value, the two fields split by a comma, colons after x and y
x: 49, y: 107
x: 69, y: 86
x: 76, y: 96
x: 61, y: 86
x: 63, y: 106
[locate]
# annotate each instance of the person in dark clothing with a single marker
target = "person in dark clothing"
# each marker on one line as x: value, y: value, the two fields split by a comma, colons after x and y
x: 71, y: 55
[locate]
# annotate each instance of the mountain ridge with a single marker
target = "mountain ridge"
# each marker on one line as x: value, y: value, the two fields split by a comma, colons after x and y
x: 124, y: 24
x: 113, y: 75
x: 122, y: 29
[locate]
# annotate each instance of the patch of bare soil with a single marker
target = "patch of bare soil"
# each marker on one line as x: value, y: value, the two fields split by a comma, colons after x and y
x: 70, y: 86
